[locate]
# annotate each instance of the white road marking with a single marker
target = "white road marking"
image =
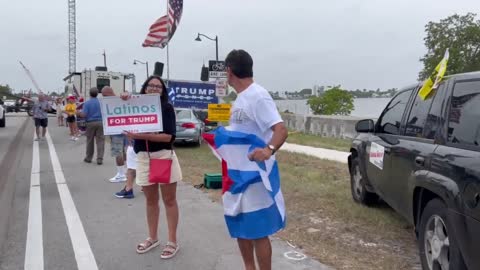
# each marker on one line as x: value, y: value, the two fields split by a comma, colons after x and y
x: 34, y: 246
x: 81, y: 247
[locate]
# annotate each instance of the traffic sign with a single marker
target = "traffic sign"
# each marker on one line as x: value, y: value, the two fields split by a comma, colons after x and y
x: 221, y: 87
x: 219, y: 112
x: 217, y: 69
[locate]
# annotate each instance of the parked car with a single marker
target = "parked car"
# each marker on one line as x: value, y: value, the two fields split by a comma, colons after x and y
x: 2, y: 114
x: 422, y: 157
x: 202, y: 115
x: 189, y: 127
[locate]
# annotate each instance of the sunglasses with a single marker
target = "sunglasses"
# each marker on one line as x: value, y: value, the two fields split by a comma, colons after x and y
x: 155, y: 86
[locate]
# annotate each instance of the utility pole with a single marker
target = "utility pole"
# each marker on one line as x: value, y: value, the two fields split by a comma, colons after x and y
x: 104, y: 59
x: 72, y: 37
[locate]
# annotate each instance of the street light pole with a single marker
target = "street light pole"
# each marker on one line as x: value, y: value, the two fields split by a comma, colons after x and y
x: 216, y: 46
x: 212, y: 39
x: 143, y: 63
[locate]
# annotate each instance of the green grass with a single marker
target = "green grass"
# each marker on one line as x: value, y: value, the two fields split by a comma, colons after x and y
x: 319, y: 141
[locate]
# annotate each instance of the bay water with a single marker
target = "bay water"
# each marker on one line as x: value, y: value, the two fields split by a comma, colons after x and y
x: 363, y: 107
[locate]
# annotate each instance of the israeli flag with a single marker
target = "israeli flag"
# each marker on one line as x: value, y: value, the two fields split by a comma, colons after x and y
x: 253, y: 203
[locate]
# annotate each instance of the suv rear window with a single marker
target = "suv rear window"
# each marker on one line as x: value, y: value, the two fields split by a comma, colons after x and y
x: 464, y: 115
x: 392, y: 115
x: 418, y: 116
x: 424, y: 116
x: 184, y: 114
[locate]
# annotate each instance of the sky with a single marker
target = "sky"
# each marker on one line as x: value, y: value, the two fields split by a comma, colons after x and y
x: 294, y: 44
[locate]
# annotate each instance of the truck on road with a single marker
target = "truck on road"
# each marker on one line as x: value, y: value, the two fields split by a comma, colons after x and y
x: 79, y: 83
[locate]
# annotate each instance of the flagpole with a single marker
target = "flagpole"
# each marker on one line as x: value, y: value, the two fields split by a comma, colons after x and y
x: 168, y: 54
x: 168, y: 64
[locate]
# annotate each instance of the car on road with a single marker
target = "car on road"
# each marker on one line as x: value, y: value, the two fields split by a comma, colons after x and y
x: 422, y: 157
x: 189, y: 127
x: 3, y: 119
x: 202, y: 115
x: 9, y: 105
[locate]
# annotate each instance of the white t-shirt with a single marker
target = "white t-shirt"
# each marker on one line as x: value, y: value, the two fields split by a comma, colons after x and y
x: 254, y: 112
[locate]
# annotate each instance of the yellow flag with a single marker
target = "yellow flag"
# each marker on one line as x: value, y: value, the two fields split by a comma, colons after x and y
x: 436, y: 77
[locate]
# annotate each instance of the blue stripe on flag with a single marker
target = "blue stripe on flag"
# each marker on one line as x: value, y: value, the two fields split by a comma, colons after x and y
x: 241, y: 180
x: 275, y: 174
x: 255, y: 225
x: 223, y: 136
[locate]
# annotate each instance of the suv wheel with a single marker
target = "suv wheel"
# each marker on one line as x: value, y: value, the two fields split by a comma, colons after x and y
x: 357, y: 183
x: 437, y: 248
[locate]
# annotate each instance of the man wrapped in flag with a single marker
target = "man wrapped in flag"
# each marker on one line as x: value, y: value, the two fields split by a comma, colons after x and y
x: 253, y: 203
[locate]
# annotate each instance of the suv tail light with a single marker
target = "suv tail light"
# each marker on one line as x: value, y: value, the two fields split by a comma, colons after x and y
x: 188, y: 125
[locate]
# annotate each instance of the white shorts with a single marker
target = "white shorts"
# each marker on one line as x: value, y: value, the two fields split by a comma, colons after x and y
x: 131, y: 158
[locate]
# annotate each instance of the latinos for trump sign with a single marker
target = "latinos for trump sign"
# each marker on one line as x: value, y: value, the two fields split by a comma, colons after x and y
x: 194, y: 95
x: 139, y: 114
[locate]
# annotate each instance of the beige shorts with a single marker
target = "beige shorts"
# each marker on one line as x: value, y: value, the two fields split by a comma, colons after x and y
x: 143, y: 166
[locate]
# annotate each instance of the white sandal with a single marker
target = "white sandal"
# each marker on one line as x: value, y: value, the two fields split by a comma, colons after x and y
x: 170, y: 248
x: 147, y: 245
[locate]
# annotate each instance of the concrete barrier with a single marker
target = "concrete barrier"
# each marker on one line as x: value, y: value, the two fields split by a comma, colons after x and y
x: 333, y: 126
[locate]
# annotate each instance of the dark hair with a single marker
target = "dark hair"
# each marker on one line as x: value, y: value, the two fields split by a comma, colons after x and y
x: 94, y: 92
x: 163, y: 96
x: 241, y: 63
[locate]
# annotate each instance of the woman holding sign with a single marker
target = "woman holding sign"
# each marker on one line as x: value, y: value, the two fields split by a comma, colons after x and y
x: 157, y: 149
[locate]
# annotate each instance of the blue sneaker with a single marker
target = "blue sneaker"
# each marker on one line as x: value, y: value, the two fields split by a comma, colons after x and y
x: 125, y: 194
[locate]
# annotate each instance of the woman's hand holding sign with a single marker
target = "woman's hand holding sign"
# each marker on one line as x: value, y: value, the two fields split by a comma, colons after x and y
x: 130, y: 135
x: 125, y: 96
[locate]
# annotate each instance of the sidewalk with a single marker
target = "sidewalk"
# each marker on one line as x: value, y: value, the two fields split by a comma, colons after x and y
x: 321, y: 153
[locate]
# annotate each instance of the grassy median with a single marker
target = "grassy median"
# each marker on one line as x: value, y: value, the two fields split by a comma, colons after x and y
x: 322, y: 218
x: 319, y: 141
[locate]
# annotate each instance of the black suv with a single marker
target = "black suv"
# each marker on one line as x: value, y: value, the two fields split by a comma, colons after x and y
x: 422, y: 157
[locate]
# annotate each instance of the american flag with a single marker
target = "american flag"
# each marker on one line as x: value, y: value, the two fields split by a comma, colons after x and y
x: 163, y: 29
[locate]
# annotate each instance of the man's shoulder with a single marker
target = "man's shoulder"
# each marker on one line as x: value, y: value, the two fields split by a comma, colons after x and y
x: 258, y: 90
x: 91, y: 100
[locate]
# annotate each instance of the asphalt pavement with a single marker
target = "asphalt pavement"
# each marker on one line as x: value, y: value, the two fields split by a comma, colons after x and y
x: 64, y: 216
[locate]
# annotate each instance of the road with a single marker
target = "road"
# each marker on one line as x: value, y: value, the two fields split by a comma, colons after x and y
x: 64, y: 216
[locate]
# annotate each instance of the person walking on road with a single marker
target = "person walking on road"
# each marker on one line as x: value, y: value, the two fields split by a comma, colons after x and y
x: 40, y: 115
x: 254, y: 112
x: 59, y: 108
x: 118, y: 144
x: 127, y: 190
x: 71, y: 110
x: 94, y: 127
x: 158, y: 145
